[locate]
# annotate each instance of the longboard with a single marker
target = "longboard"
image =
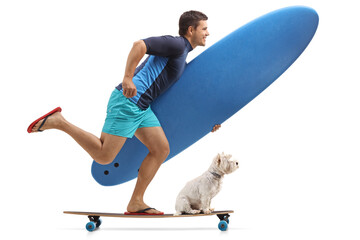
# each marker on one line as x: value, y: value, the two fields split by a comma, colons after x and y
x: 95, y: 220
x: 218, y: 83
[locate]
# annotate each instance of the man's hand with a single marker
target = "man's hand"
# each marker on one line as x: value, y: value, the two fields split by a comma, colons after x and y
x: 129, y: 88
x: 216, y: 127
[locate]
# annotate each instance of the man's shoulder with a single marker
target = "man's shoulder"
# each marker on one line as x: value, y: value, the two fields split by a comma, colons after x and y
x: 167, y: 43
x: 167, y: 38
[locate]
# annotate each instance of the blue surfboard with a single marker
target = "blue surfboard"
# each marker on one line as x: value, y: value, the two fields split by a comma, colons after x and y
x: 218, y: 83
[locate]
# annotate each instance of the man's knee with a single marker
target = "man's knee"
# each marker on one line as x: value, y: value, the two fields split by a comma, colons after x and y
x: 166, y: 150
x: 104, y: 159
x: 162, y: 151
x: 111, y: 147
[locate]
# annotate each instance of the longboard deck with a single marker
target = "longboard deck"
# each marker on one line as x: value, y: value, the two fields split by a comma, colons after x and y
x: 95, y: 220
x: 103, y: 214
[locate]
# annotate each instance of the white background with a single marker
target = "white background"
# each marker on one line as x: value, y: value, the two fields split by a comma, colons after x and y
x: 297, y: 142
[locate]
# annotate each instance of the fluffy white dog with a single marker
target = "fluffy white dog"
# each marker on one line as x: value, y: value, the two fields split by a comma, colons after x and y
x: 196, y: 196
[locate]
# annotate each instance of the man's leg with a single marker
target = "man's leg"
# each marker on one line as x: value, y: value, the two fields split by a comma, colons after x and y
x: 155, y: 140
x: 102, y: 150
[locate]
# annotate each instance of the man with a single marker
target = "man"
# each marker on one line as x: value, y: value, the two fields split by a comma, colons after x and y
x: 129, y: 112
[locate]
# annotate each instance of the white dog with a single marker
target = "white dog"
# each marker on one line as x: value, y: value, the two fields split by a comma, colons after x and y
x: 196, y: 196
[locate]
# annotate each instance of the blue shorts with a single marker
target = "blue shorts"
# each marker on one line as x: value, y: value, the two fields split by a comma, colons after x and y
x: 125, y: 117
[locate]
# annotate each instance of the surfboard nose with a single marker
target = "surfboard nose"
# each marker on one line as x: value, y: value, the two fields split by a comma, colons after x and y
x: 307, y: 17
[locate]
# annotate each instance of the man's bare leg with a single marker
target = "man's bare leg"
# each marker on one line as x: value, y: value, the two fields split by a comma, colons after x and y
x: 155, y: 140
x: 103, y: 150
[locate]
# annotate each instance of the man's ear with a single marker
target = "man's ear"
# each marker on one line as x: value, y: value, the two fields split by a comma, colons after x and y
x: 190, y: 30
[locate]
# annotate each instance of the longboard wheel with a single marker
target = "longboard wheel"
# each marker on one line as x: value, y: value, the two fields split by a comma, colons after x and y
x: 90, y: 226
x: 223, y: 225
x: 98, y: 223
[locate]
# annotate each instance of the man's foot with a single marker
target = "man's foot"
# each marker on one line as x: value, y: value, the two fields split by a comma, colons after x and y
x: 51, y: 122
x: 134, y: 207
x: 144, y: 212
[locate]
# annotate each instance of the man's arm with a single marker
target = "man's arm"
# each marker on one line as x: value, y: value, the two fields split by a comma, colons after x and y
x: 136, y: 54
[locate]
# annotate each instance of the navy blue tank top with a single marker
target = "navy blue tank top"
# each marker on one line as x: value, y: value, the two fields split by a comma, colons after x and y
x: 162, y: 68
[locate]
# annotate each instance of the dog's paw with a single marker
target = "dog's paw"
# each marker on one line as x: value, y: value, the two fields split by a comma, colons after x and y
x: 207, y: 211
x: 177, y: 214
x: 212, y: 209
x: 194, y: 211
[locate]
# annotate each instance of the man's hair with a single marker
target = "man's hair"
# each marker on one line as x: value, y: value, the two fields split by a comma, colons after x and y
x: 190, y: 18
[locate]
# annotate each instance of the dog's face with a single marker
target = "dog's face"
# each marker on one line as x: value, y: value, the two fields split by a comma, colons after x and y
x: 224, y: 163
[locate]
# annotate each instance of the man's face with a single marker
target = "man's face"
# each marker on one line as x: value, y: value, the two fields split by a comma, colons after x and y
x: 200, y: 33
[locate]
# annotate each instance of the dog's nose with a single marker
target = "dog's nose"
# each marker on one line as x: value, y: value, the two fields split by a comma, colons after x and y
x: 237, y: 163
